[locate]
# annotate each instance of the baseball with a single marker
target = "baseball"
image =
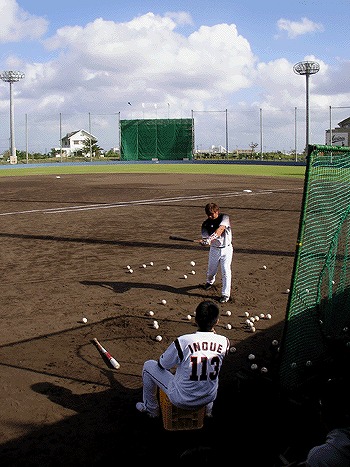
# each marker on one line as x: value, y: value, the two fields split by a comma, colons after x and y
x: 246, y: 314
x: 252, y: 329
x: 264, y: 267
x: 131, y: 271
x: 233, y: 349
x: 168, y: 268
x: 263, y: 369
x: 84, y: 320
x: 254, y: 366
x: 268, y: 316
x: 163, y: 302
x: 193, y: 263
x: 144, y: 266
x: 128, y: 266
x: 58, y: 176
x: 159, y: 338
x: 193, y: 272
x: 228, y: 326
x: 251, y: 356
x: 151, y: 263
x: 155, y: 325
x: 189, y: 317
x: 262, y: 316
x: 151, y: 313
x: 228, y: 313
x: 274, y: 342
x: 288, y: 290
x: 185, y: 276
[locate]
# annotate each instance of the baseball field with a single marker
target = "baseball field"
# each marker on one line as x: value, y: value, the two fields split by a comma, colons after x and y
x: 66, y: 241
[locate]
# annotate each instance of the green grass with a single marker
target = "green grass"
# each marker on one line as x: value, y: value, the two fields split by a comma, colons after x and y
x: 216, y: 169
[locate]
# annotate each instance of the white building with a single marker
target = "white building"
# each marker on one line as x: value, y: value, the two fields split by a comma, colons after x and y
x: 75, y: 141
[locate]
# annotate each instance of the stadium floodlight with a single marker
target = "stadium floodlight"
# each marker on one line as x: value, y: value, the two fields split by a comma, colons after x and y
x: 307, y: 69
x: 12, y: 77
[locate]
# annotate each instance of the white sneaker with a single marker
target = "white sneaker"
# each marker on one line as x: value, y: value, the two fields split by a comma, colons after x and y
x: 224, y: 299
x: 140, y: 406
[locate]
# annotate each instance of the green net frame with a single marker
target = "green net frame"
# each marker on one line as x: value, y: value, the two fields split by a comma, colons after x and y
x: 316, y: 338
x: 163, y: 139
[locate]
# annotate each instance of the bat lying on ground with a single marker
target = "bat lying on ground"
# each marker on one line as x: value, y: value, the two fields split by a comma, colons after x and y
x: 183, y: 239
x: 105, y: 352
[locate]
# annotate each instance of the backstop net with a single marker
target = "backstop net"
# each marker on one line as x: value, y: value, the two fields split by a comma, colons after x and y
x: 163, y: 139
x: 316, y: 339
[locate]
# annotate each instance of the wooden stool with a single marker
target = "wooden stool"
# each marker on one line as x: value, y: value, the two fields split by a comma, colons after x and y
x: 175, y: 418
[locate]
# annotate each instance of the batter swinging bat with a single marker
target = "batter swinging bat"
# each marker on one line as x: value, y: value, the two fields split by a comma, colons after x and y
x: 183, y: 239
x: 112, y: 360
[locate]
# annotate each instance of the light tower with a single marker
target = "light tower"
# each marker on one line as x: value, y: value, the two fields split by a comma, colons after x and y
x: 12, y: 77
x: 307, y: 69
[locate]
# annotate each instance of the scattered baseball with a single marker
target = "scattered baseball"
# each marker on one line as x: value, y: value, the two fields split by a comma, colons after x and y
x: 144, y: 266
x: 159, y: 338
x: 128, y: 266
x: 333, y: 282
x: 233, y: 349
x: 275, y: 342
x: 246, y: 314
x: 264, y: 267
x: 84, y: 320
x: 228, y: 313
x: 163, y: 302
x: 268, y: 316
x: 151, y: 313
x: 256, y: 318
x: 252, y: 329
x: 262, y: 316
x: 155, y: 325
x: 263, y: 369
x: 151, y: 263
x: 254, y: 366
x: 228, y: 326
x: 193, y: 272
x: 58, y: 176
x: 193, y: 263
x: 189, y: 317
x: 168, y: 268
x: 251, y: 356
x: 185, y: 276
x: 288, y: 290
x: 131, y: 271
x: 309, y: 363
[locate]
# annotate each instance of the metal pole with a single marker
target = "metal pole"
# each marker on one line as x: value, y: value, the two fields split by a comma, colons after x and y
x: 330, y: 126
x: 226, y: 135
x: 295, y: 134
x: 90, y: 137
x: 261, y: 136
x: 307, y: 112
x: 61, y: 136
x: 27, y: 138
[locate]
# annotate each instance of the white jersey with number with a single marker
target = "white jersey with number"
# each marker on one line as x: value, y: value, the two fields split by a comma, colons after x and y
x: 198, y: 358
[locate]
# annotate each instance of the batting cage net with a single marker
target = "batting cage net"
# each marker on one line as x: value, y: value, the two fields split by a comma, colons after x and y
x: 163, y: 139
x: 316, y: 337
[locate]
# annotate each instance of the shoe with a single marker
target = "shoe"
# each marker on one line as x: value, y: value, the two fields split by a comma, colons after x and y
x: 224, y: 299
x: 208, y: 286
x: 140, y: 406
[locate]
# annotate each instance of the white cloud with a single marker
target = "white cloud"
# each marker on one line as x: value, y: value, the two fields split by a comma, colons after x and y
x: 298, y: 28
x: 17, y: 24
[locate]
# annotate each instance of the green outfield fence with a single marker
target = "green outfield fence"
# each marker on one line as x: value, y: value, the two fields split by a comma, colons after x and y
x: 316, y: 338
x: 163, y: 139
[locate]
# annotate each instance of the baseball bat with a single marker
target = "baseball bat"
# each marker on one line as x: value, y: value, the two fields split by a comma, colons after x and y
x: 183, y: 239
x: 105, y: 352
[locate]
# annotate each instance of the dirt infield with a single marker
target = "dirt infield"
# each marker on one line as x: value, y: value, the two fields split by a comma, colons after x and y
x: 65, y: 246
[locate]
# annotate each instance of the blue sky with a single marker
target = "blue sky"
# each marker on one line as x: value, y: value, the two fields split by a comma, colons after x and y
x: 84, y: 61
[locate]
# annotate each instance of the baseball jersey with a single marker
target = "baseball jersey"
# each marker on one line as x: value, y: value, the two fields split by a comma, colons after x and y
x: 210, y: 225
x: 198, y: 358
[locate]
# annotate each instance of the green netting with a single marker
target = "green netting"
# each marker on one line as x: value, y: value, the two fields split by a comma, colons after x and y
x: 163, y: 139
x: 316, y: 332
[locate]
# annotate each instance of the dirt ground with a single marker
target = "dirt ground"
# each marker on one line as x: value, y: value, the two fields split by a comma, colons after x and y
x: 66, y: 243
